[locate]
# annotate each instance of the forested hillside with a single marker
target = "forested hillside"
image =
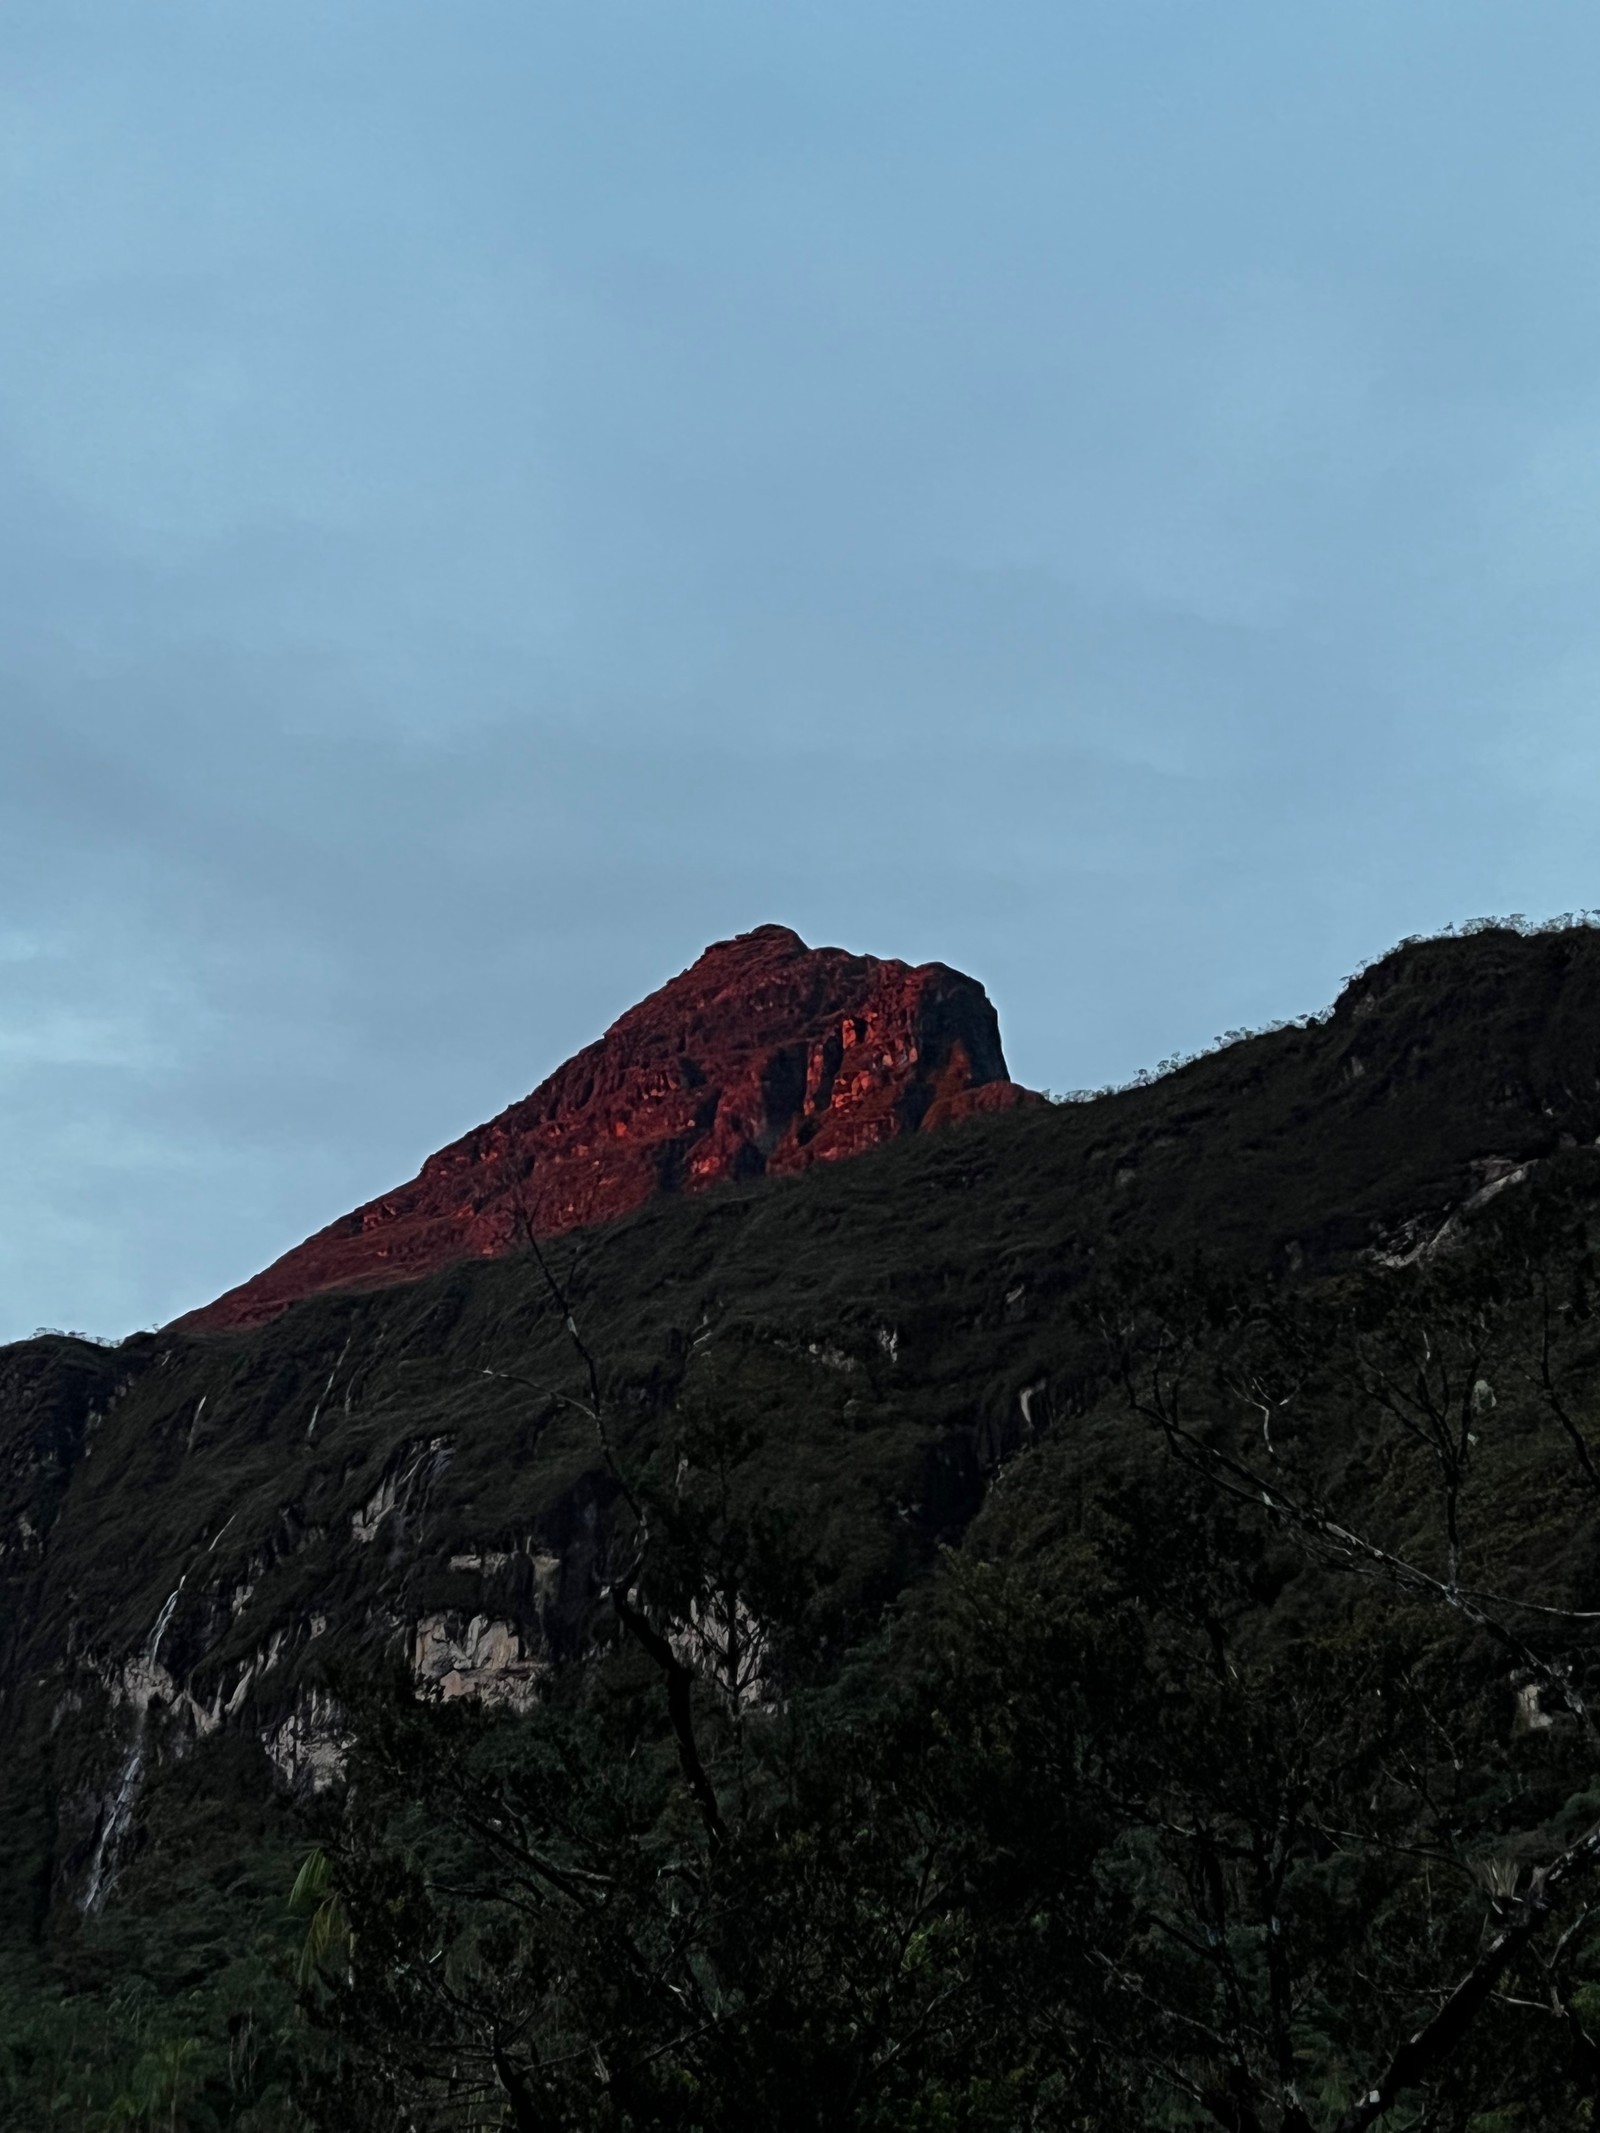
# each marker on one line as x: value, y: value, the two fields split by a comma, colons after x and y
x: 1083, y: 1619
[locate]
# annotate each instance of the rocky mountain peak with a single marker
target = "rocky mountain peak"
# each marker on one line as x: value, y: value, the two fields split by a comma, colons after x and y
x: 763, y: 1057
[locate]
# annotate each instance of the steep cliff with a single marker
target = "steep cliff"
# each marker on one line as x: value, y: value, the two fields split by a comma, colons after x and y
x: 762, y: 1058
x: 214, y: 1537
x: 202, y: 1527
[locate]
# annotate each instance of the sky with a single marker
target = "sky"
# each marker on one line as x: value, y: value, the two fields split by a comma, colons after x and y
x: 496, y: 495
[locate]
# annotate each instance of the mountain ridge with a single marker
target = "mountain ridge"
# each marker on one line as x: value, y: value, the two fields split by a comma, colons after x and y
x: 761, y: 1058
x: 203, y: 1531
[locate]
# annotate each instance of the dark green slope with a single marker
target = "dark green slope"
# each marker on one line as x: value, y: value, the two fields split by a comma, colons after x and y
x: 895, y: 1326
x: 207, y: 1542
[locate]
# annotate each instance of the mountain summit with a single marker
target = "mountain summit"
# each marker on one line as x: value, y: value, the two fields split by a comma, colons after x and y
x: 764, y: 1056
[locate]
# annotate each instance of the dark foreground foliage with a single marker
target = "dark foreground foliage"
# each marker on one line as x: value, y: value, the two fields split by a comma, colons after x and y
x: 176, y: 2006
x: 1246, y: 1779
x: 132, y: 2052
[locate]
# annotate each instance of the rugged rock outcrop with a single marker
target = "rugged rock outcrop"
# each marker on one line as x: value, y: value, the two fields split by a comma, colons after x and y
x: 765, y: 1056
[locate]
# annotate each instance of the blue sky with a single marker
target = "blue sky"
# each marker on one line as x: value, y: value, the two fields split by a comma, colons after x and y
x: 496, y: 495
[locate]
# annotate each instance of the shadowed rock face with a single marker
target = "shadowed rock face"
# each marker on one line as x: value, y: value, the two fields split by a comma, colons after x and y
x: 763, y: 1057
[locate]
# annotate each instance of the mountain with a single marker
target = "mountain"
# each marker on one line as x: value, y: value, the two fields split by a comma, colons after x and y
x: 381, y: 1452
x: 762, y: 1058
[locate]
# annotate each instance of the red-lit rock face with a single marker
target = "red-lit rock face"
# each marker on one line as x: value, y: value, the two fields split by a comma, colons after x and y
x: 764, y: 1056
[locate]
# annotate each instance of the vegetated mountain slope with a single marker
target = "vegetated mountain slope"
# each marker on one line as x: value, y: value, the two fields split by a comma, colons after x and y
x: 198, y: 1527
x: 762, y: 1058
